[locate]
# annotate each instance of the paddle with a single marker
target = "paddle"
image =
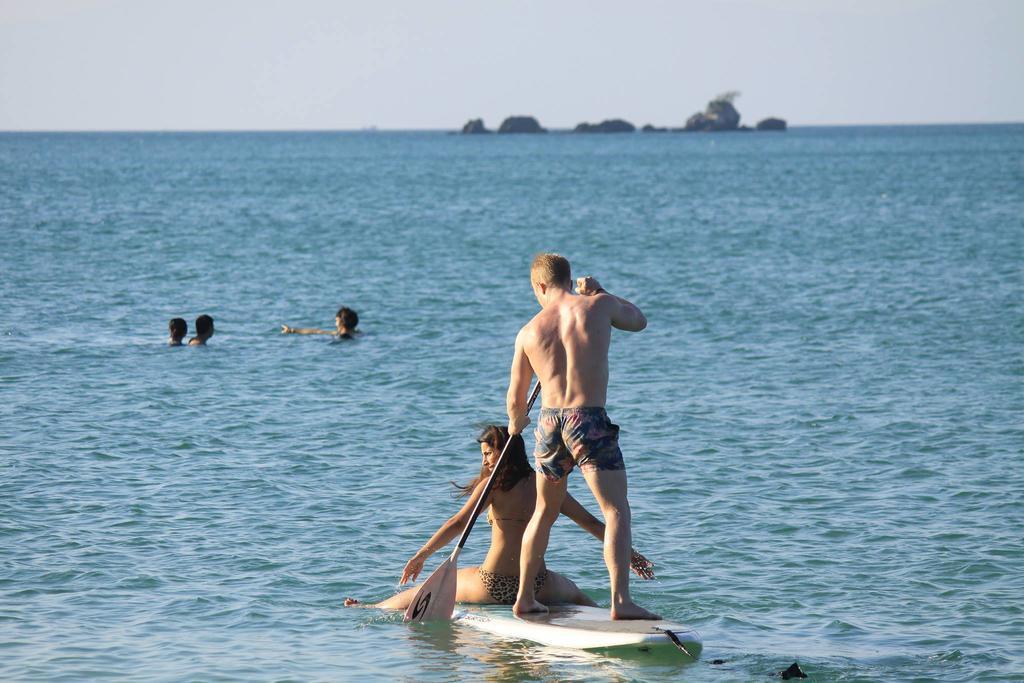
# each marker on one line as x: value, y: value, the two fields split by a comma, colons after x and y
x: 436, y: 597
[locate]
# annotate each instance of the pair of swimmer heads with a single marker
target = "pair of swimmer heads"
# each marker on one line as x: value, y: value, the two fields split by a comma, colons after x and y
x: 178, y: 329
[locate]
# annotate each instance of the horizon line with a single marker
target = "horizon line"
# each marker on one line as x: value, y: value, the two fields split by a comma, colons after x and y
x: 376, y: 129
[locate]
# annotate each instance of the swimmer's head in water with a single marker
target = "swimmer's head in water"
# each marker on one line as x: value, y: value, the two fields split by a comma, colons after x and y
x: 178, y: 329
x: 204, y: 326
x: 346, y: 318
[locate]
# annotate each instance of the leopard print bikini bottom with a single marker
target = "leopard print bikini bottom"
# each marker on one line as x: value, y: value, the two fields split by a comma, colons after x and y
x: 503, y: 589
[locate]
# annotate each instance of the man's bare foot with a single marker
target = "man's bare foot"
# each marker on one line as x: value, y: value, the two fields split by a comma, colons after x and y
x: 631, y: 610
x: 531, y: 607
x: 351, y: 602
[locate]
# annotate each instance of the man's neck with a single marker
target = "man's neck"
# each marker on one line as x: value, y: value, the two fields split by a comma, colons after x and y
x: 555, y: 296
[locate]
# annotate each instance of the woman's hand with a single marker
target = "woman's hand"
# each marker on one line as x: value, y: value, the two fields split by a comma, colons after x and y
x: 412, y: 569
x: 285, y: 329
x: 640, y: 565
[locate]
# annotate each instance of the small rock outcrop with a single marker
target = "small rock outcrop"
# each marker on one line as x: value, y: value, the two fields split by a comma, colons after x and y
x: 649, y: 128
x: 520, y: 124
x: 474, y: 127
x: 720, y: 115
x: 607, y: 126
x: 771, y: 124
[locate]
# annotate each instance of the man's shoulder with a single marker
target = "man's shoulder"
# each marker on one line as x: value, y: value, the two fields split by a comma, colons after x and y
x: 533, y: 327
x: 595, y: 304
x: 537, y: 319
x: 528, y: 328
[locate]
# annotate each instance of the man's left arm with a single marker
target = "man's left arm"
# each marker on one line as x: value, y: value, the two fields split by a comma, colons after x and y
x: 625, y: 315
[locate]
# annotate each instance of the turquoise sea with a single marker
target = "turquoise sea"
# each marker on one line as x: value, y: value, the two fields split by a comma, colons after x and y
x: 823, y: 423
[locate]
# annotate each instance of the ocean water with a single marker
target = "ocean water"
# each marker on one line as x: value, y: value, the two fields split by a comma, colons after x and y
x: 823, y: 423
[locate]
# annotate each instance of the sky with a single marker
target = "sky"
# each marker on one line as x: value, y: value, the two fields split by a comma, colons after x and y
x: 434, y: 64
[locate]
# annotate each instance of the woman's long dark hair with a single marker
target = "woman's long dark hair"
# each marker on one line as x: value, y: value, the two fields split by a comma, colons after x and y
x: 513, y: 469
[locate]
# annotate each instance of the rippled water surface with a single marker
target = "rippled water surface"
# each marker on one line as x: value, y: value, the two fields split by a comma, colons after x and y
x: 822, y: 423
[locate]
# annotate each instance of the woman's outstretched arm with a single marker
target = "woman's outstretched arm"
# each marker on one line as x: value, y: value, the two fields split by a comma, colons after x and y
x: 285, y: 329
x: 444, y: 535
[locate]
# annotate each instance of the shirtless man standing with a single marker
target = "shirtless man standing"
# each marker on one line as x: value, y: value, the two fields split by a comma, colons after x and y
x: 566, y: 345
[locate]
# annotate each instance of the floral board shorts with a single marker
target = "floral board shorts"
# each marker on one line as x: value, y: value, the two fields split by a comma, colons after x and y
x: 576, y: 436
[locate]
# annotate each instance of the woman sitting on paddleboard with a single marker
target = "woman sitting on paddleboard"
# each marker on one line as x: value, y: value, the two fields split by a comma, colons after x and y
x: 509, y: 509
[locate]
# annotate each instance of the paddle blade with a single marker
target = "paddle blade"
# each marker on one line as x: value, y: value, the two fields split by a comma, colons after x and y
x: 436, y: 597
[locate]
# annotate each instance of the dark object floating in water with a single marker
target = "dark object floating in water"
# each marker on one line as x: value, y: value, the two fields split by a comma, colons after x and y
x: 474, y: 127
x: 771, y: 124
x: 607, y: 126
x: 718, y: 661
x: 793, y: 671
x: 520, y: 124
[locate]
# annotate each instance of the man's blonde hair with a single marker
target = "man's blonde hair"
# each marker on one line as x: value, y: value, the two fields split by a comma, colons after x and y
x: 551, y: 269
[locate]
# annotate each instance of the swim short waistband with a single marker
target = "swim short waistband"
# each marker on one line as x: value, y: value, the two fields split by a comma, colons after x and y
x: 569, y: 411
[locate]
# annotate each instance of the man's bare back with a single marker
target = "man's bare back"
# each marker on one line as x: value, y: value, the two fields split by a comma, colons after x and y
x: 566, y: 345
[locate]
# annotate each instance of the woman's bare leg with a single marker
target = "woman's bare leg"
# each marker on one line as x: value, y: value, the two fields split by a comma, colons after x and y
x: 399, y: 601
x: 468, y: 589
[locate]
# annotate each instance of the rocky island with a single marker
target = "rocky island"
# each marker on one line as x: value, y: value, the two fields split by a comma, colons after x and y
x: 521, y: 124
x: 771, y: 124
x: 607, y: 126
x: 719, y: 115
x: 474, y: 127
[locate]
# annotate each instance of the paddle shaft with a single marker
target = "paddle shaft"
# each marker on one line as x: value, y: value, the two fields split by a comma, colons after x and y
x: 490, y: 481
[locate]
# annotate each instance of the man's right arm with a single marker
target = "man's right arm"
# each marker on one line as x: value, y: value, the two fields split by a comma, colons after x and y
x: 518, y: 386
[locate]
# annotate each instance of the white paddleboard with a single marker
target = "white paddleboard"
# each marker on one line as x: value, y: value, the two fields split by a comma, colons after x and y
x: 579, y: 627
